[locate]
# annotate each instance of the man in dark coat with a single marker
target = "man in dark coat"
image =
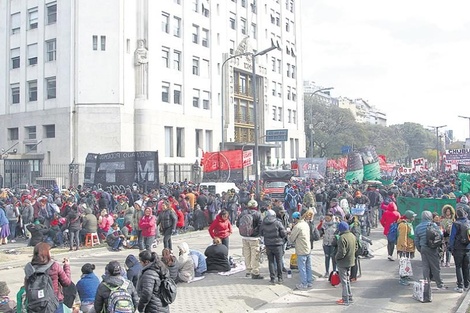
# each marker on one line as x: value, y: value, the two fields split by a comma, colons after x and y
x: 133, y: 269
x: 150, y: 281
x: 345, y: 256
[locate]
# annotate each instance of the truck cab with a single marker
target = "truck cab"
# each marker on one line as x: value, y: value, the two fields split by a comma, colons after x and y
x: 275, y: 182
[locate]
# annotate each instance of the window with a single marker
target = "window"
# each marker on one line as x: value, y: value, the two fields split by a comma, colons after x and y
x: 205, y: 69
x: 51, y: 50
x: 278, y: 19
x: 198, y: 141
x: 289, y: 115
x: 179, y: 142
x: 50, y: 88
x: 294, y: 116
x: 279, y: 90
x: 51, y: 11
x: 30, y: 132
x: 33, y: 18
x: 279, y: 114
x: 253, y: 31
x: 15, y: 23
x: 287, y: 25
x: 165, y: 92
x: 15, y: 58
x: 232, y: 22
x: 196, y: 95
x: 31, y: 147
x: 208, y: 140
x: 33, y: 54
x: 205, y: 37
x: 294, y: 94
x: 103, y: 43
x: 205, y: 100
x: 168, y: 141
x: 273, y: 61
x: 195, y: 34
x: 288, y: 93
x: 177, y: 1
x: 177, y: 94
x: 166, y: 57
x: 196, y: 66
x: 292, y: 147
x: 33, y: 90
x: 232, y: 46
x: 279, y: 66
x: 95, y: 42
x: 244, y: 3
x: 293, y: 71
x: 165, y: 22
x: 177, y: 60
x: 15, y: 93
x: 243, y: 26
x: 274, y: 113
x: 196, y: 5
x: 49, y: 131
x: 177, y: 26
x: 13, y: 133
x: 288, y: 69
x: 274, y: 87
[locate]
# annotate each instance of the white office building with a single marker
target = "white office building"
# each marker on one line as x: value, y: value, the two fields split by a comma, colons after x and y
x: 81, y: 76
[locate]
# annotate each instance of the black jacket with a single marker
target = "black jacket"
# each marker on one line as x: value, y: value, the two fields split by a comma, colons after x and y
x: 217, y: 259
x: 38, y: 233
x: 133, y: 269
x: 168, y: 219
x: 148, y: 288
x: 102, y: 293
x: 272, y: 231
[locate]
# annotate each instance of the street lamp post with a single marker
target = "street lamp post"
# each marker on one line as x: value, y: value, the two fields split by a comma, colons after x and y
x: 437, y: 144
x: 468, y: 118
x: 312, y: 132
x: 320, y: 90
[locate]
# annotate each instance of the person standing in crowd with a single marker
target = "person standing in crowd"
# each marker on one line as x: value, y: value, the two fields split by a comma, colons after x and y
x: 12, y: 213
x: 300, y: 237
x: 375, y: 199
x: 148, y: 226
x: 111, y: 281
x: 274, y: 235
x: 87, y: 287
x: 221, y: 228
x: 405, y: 239
x: 429, y: 256
x: 60, y: 275
x: 74, y: 226
x: 27, y: 213
x: 448, y: 217
x: 133, y: 269
x: 335, y: 209
x: 308, y: 202
x: 329, y: 226
x: 460, y: 246
x: 217, y: 257
x: 232, y: 205
x: 138, y: 214
x: 167, y: 219
x: 4, y: 226
x: 250, y: 242
x: 149, y: 283
x: 389, y: 217
x: 345, y: 258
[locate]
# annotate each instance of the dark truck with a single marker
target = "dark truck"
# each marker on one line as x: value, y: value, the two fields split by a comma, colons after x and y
x: 274, y: 183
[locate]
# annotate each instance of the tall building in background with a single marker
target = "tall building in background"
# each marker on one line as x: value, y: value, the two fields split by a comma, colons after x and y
x: 80, y: 76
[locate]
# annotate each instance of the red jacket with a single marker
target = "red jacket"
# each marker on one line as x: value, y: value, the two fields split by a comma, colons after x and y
x: 220, y: 228
x: 148, y: 225
x: 180, y: 216
x: 390, y: 216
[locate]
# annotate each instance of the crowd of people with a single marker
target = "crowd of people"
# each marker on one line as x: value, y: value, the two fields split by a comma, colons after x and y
x: 137, y: 219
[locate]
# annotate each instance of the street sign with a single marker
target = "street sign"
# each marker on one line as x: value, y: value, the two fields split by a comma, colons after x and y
x: 276, y: 135
x: 247, y: 158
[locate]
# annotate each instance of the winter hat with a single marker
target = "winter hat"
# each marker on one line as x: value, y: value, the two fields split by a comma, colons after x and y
x: 270, y: 213
x: 410, y: 214
x: 343, y: 226
x: 464, y: 200
x: 461, y: 213
x: 88, y: 268
x: 252, y: 204
x: 296, y: 215
x: 4, y: 290
x: 138, y: 202
x: 426, y: 216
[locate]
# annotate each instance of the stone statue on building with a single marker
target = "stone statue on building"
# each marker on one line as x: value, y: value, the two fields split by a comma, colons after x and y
x: 141, y: 64
x: 244, y: 47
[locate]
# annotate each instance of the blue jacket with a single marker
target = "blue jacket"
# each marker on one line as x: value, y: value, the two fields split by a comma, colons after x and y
x: 420, y: 234
x: 456, y: 244
x: 3, y: 217
x: 134, y: 268
x: 201, y: 261
x: 87, y: 286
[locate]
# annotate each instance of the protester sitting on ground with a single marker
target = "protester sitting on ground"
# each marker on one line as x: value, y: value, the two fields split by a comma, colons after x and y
x: 185, y: 264
x: 87, y: 287
x: 110, y: 282
x: 171, y: 263
x: 199, y: 260
x: 104, y: 223
x: 38, y: 231
x: 6, y: 305
x: 115, y: 238
x: 134, y: 268
x: 126, y: 230
x: 217, y: 257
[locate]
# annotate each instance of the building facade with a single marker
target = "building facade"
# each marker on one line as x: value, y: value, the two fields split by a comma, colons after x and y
x: 118, y: 75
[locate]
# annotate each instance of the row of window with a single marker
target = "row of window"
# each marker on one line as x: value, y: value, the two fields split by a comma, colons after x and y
x: 291, y: 115
x: 32, y: 54
x: 102, y: 43
x: 243, y: 4
x: 30, y: 133
x: 32, y: 85
x: 277, y: 65
x: 33, y: 18
x: 201, y: 8
x: 196, y: 36
x: 277, y: 91
x: 180, y: 144
x: 243, y: 25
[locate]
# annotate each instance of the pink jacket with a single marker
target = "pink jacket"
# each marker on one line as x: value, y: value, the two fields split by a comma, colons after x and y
x: 390, y: 216
x: 106, y: 222
x: 148, y: 224
x: 59, y: 275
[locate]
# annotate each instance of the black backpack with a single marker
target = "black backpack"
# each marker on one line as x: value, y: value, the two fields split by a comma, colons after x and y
x: 464, y: 232
x: 167, y: 289
x: 433, y: 237
x: 40, y: 294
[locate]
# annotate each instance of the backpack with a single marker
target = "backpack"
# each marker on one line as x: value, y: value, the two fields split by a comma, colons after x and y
x: 393, y: 233
x: 464, y: 233
x: 334, y: 278
x: 245, y: 225
x: 433, y: 237
x: 167, y: 290
x: 119, y: 300
x: 40, y: 296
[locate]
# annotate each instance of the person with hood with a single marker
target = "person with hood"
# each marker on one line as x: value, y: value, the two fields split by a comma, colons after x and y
x: 459, y: 246
x: 185, y: 264
x: 89, y: 224
x: 335, y: 209
x: 447, y: 219
x: 429, y: 256
x: 300, y: 237
x: 87, y: 287
x: 463, y: 203
x: 171, y: 263
x: 389, y: 217
x: 405, y: 239
x: 168, y: 220
x: 329, y: 226
x: 217, y: 257
x: 149, y: 283
x: 345, y: 259
x: 136, y: 217
x: 148, y: 225
x: 134, y: 268
x: 112, y: 281
x: 274, y: 235
x: 221, y: 228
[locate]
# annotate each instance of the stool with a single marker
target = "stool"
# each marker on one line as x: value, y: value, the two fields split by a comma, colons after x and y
x: 91, y: 239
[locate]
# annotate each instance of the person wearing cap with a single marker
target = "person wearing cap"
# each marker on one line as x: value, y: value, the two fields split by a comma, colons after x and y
x: 300, y: 237
x: 6, y: 305
x: 113, y: 280
x: 345, y: 259
x: 87, y: 286
x: 459, y: 246
x: 274, y: 235
x: 405, y: 239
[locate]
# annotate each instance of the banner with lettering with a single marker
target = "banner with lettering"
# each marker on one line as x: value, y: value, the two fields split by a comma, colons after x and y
x: 224, y: 165
x: 312, y: 167
x: 122, y: 168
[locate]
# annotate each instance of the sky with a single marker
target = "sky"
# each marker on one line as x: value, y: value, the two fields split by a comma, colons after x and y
x: 408, y: 58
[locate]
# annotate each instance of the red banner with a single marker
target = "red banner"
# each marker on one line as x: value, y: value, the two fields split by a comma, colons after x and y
x: 222, y: 161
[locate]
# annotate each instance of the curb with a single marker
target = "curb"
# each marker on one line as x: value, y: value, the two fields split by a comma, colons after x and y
x: 464, y: 305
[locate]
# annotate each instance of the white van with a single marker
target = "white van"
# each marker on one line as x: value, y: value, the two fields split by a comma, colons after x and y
x: 218, y: 188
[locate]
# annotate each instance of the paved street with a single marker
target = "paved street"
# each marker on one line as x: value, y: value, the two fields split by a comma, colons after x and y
x: 377, y: 290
